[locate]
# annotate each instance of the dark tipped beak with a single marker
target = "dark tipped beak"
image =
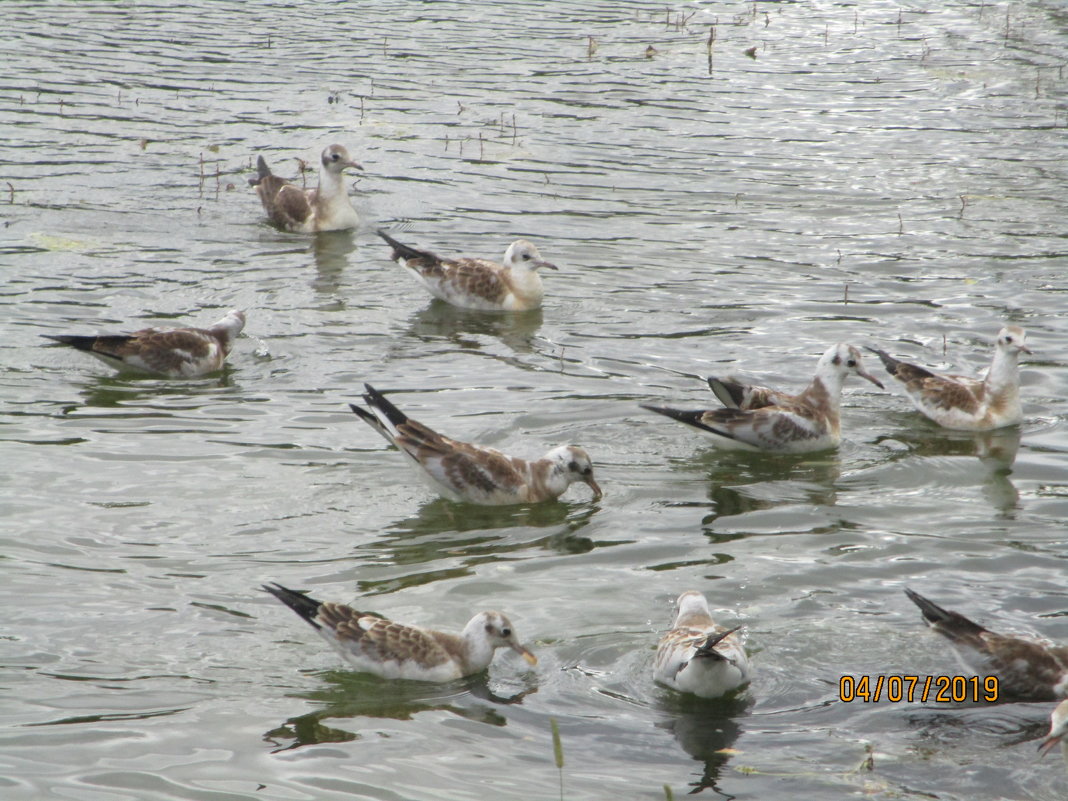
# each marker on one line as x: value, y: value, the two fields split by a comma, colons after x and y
x: 1027, y: 350
x: 527, y: 655
x: 1048, y: 744
x: 596, y: 489
x: 870, y: 377
x: 354, y: 164
x: 546, y: 265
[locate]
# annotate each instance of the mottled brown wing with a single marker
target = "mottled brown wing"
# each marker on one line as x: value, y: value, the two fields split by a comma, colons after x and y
x: 158, y: 351
x: 381, y: 639
x: 286, y: 205
x: 947, y: 393
x: 1026, y: 670
x: 475, y: 277
x: 769, y: 427
x: 457, y: 464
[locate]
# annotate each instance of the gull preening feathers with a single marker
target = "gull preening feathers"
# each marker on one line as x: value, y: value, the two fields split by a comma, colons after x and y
x: 762, y: 419
x: 479, y: 284
x: 1058, y: 730
x: 962, y: 402
x: 470, y: 473
x: 170, y: 352
x: 326, y: 208
x: 699, y: 656
x: 392, y: 650
x: 1027, y: 670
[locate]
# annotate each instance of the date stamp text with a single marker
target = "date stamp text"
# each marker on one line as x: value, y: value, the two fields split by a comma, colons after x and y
x: 939, y: 689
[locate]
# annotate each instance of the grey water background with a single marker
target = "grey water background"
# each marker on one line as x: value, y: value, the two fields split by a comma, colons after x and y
x: 880, y: 173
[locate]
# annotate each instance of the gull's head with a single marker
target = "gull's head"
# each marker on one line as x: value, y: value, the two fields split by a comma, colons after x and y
x: 336, y: 158
x: 1012, y: 339
x: 232, y: 324
x: 691, y: 602
x: 522, y: 255
x: 844, y: 360
x: 1058, y: 729
x: 496, y: 629
x: 575, y: 463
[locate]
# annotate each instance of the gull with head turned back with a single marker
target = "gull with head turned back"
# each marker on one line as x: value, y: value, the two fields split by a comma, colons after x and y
x: 1058, y: 730
x: 326, y: 208
x: 392, y: 650
x: 169, y: 352
x: 470, y: 473
x: 762, y: 419
x: 514, y: 285
x: 962, y: 402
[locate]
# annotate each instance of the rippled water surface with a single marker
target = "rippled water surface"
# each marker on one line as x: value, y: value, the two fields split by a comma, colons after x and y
x: 880, y: 173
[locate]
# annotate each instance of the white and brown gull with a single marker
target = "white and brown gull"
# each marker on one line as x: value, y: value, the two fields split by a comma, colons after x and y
x: 1026, y: 669
x: 962, y: 402
x: 514, y: 285
x: 699, y: 656
x: 373, y: 644
x: 326, y: 208
x: 470, y: 473
x: 761, y: 419
x: 170, y: 352
x: 1058, y: 730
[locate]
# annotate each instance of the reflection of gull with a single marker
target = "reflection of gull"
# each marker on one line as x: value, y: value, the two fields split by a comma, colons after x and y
x: 470, y: 283
x: 464, y: 472
x: 1058, y: 730
x: 171, y: 352
x: 1026, y: 670
x: 758, y: 418
x: 956, y: 401
x: 707, y: 731
x: 326, y: 208
x: 396, y: 651
x: 698, y: 656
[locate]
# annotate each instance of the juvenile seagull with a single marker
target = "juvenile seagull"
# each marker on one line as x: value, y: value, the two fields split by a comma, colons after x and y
x: 468, y: 283
x: 1026, y: 670
x: 762, y: 419
x: 960, y: 402
x: 305, y: 211
x: 170, y: 352
x: 396, y: 651
x: 464, y: 472
x: 698, y: 656
x: 1058, y: 730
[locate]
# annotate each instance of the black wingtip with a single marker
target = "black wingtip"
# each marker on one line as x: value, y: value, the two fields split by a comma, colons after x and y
x: 932, y: 612
x: 402, y: 251
x: 707, y: 648
x: 74, y: 340
x: 299, y: 602
x: 723, y: 392
x: 377, y: 400
x: 889, y: 362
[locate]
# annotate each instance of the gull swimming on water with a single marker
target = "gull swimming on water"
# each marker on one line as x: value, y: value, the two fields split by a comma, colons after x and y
x: 170, y: 352
x: 1027, y: 670
x: 326, y: 208
x: 392, y: 650
x: 699, y: 656
x: 962, y: 402
x: 479, y: 284
x: 464, y: 472
x: 762, y: 419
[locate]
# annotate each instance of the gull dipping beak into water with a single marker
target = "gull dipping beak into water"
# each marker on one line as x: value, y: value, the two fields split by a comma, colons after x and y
x: 395, y: 651
x: 762, y: 419
x: 479, y: 284
x: 306, y: 211
x: 471, y: 473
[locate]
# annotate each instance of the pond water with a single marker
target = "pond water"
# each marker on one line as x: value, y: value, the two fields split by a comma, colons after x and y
x: 880, y: 173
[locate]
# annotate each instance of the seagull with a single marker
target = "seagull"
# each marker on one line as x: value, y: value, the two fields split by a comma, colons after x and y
x: 960, y: 402
x: 471, y: 473
x: 305, y: 211
x: 391, y: 650
x: 1058, y: 729
x: 1026, y: 670
x: 762, y: 419
x: 170, y: 352
x: 479, y: 284
x: 698, y: 656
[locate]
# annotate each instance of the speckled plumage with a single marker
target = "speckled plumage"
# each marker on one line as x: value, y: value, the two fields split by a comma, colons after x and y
x: 1027, y: 670
x: 962, y: 402
x: 461, y: 471
x: 396, y: 651
x: 762, y: 419
x: 699, y: 656
x: 514, y: 285
x: 170, y: 352
x: 326, y: 208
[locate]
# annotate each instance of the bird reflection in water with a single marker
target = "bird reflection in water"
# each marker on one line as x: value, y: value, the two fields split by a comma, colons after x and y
x: 706, y: 730
x: 331, y: 250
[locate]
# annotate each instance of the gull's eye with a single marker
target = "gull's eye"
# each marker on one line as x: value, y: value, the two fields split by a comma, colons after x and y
x: 1008, y: 340
x: 588, y: 471
x: 852, y: 362
x: 526, y: 257
x: 506, y: 632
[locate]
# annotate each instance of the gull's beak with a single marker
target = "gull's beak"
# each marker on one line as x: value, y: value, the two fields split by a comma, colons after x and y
x: 527, y: 655
x: 1024, y: 348
x: 355, y: 164
x: 1047, y: 745
x: 596, y: 489
x: 547, y: 265
x: 870, y: 377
